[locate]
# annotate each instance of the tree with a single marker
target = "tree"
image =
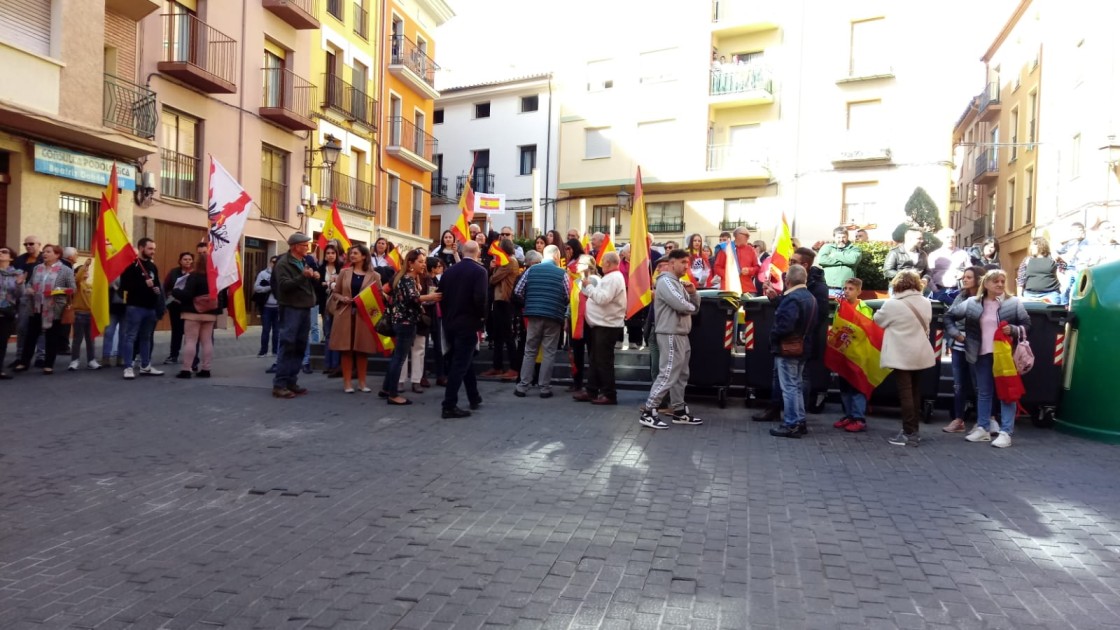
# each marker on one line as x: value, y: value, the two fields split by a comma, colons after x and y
x: 923, y: 214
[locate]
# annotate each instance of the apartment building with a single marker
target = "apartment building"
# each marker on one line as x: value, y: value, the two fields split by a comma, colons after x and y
x: 507, y: 130
x: 72, y: 105
x: 740, y: 111
x: 407, y: 93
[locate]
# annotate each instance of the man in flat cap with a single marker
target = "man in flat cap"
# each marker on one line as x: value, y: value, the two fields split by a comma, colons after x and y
x: 293, y: 284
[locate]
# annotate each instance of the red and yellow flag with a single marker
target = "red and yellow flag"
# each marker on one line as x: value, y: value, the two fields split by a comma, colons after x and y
x: 577, y: 301
x: 853, y: 348
x: 112, y: 254
x: 334, y: 230
x: 498, y: 254
x: 639, y: 289
x: 1009, y: 385
x: 783, y: 250
x: 462, y: 227
x: 235, y: 301
x: 371, y: 308
x: 606, y: 246
x: 585, y: 240
x: 731, y: 280
x: 394, y: 259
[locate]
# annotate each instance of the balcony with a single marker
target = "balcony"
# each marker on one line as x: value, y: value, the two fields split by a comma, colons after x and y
x: 860, y: 149
x: 361, y: 21
x: 727, y: 161
x: 299, y: 14
x: 274, y: 200
x: 129, y: 108
x: 989, y: 105
x: 987, y: 167
x: 411, y: 64
x: 667, y: 227
x: 483, y: 182
x: 178, y: 176
x: 411, y: 144
x: 737, y: 85
x: 355, y: 105
x: 351, y: 193
x: 133, y: 9
x: 591, y: 229
x: 439, y: 186
x: 728, y: 226
x: 287, y: 99
x: 198, y: 55
x: 738, y: 17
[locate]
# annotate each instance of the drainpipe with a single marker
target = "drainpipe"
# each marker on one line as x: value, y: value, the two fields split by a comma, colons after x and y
x: 548, y: 163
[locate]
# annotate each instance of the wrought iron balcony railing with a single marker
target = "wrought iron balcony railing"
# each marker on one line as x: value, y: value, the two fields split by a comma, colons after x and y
x: 351, y: 193
x: 288, y: 96
x: 196, y: 53
x: 989, y: 96
x: 350, y: 101
x: 667, y: 227
x: 736, y: 79
x: 179, y: 176
x: 591, y: 229
x: 987, y: 162
x: 729, y: 156
x: 129, y: 107
x: 439, y: 186
x: 483, y: 181
x: 405, y: 52
x: 404, y: 133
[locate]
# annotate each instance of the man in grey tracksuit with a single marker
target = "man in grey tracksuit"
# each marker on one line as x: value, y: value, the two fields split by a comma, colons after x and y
x: 674, y: 304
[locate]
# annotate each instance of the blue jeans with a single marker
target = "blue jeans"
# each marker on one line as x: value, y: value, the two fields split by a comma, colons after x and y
x: 964, y: 382
x: 986, y: 397
x: 269, y: 316
x: 789, y: 378
x: 139, y: 323
x: 436, y: 337
x: 332, y: 359
x: 852, y: 401
x: 294, y: 325
x: 1055, y: 297
x: 403, y: 335
x: 461, y: 369
x: 109, y: 339
x: 313, y: 337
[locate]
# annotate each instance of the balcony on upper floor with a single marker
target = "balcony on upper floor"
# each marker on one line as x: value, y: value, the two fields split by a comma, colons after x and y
x: 287, y: 99
x: 856, y: 149
x: 989, y: 105
x: 736, y: 17
x: 439, y: 186
x: 129, y: 108
x: 483, y: 182
x: 986, y: 168
x: 729, y: 161
x: 738, y: 85
x: 351, y: 193
x: 299, y: 14
x: 591, y: 229
x: 410, y: 143
x: 133, y: 9
x: 198, y: 54
x: 354, y: 104
x: 411, y: 64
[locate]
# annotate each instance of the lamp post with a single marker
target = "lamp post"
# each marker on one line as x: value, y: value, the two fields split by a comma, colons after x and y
x: 328, y: 152
x: 623, y: 198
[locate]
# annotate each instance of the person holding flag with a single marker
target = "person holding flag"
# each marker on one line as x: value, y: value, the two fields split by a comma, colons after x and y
x: 853, y: 349
x: 350, y: 335
x: 506, y: 269
x: 200, y: 314
x: 606, y: 309
x: 737, y: 264
x: 577, y: 310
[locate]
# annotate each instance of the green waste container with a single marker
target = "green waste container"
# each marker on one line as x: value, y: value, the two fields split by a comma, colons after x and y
x: 1090, y: 400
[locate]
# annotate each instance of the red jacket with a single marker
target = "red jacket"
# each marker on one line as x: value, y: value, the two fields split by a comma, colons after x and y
x: 748, y: 266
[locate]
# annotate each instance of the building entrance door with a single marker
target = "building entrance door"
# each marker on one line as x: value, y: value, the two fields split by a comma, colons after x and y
x: 255, y: 260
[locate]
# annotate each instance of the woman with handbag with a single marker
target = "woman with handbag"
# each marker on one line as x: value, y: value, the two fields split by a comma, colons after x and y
x: 174, y: 307
x: 328, y: 273
x: 413, y: 369
x: 906, y: 349
x: 350, y: 336
x: 974, y: 322
x: 404, y: 315
x: 200, y: 314
x: 50, y: 288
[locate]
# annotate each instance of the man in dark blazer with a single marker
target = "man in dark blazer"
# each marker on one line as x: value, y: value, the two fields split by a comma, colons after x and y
x: 464, y: 288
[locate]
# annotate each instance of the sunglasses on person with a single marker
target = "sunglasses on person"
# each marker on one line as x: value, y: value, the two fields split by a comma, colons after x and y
x: 30, y: 244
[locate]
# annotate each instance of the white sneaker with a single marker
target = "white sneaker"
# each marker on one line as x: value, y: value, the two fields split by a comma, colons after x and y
x: 625, y: 346
x: 150, y: 371
x: 1003, y: 441
x: 73, y: 366
x: 94, y: 365
x: 129, y: 373
x: 978, y: 434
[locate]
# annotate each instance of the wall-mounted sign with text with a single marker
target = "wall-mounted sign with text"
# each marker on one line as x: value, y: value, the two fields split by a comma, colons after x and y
x: 52, y: 160
x: 489, y: 203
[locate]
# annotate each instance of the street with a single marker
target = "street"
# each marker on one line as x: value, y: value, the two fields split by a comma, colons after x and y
x: 163, y: 503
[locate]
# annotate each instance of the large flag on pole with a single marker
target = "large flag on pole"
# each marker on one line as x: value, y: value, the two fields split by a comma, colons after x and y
x: 112, y: 254
x: 606, y: 246
x: 783, y: 250
x: 639, y: 292
x: 732, y: 280
x: 235, y: 302
x: 853, y: 348
x: 228, y: 209
x: 462, y: 227
x: 334, y: 230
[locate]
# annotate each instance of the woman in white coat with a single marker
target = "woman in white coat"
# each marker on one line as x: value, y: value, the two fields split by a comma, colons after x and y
x: 905, y: 320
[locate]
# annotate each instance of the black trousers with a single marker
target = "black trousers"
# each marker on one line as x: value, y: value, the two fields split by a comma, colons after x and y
x: 501, y: 327
x: 7, y: 329
x: 55, y: 337
x: 600, y: 371
x: 578, y: 349
x: 175, y: 315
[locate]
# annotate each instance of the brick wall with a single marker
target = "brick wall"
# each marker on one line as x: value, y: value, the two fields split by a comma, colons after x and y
x: 120, y: 33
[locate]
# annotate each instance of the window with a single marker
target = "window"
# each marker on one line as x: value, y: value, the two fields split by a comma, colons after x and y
x: 437, y: 117
x: 869, y: 48
x: 600, y: 75
x: 179, y: 156
x: 860, y: 203
x: 1033, y: 112
x: 601, y: 219
x: 417, y: 210
x: 1075, y: 157
x: 273, y: 77
x: 77, y: 219
x: 528, y: 158
x: 439, y: 180
x: 27, y: 25
x: 596, y: 143
x: 864, y: 116
x: 1014, y: 135
x: 1011, y: 204
x: 665, y: 216
x: 530, y: 103
x: 738, y: 212
x: 274, y: 186
x: 361, y: 19
x: 482, y: 110
x: 657, y: 66
x: 1028, y: 201
x: 394, y: 201
x: 524, y: 226
x: 335, y: 8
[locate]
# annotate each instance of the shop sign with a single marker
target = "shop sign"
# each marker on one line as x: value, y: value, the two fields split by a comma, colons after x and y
x: 51, y: 160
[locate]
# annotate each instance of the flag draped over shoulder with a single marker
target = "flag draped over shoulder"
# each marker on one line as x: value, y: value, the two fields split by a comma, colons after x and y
x: 235, y: 302
x: 498, y: 254
x: 227, y: 210
x: 853, y: 349
x: 334, y: 230
x: 577, y: 301
x: 112, y: 254
x: 371, y: 308
x: 606, y: 246
x: 462, y: 227
x: 783, y: 250
x: 1009, y: 385
x: 639, y: 292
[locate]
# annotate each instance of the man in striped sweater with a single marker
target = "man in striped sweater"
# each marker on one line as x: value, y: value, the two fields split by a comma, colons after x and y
x: 544, y: 289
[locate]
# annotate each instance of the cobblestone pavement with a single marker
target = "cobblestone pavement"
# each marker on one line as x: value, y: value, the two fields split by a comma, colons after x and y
x: 162, y: 503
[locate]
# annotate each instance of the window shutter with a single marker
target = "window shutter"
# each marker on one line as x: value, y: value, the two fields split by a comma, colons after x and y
x: 27, y: 24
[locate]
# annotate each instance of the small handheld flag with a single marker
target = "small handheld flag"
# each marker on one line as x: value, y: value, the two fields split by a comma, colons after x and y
x: 333, y: 230
x: 498, y: 254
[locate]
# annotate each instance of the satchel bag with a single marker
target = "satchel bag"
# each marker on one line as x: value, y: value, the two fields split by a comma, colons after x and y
x: 1023, y: 355
x: 67, y: 315
x: 204, y: 303
x: 793, y: 346
x: 384, y: 327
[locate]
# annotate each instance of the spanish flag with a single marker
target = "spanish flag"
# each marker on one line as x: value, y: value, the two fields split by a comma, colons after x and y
x: 606, y: 246
x: 577, y: 301
x: 333, y: 229
x: 462, y: 227
x: 498, y: 254
x: 731, y: 281
x: 112, y: 254
x: 585, y: 240
x: 783, y: 250
x: 853, y: 348
x: 1009, y: 385
x: 235, y: 301
x: 371, y: 308
x: 639, y: 292
x: 394, y: 259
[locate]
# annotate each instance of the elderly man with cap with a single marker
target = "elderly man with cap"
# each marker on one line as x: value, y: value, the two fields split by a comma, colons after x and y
x: 293, y: 284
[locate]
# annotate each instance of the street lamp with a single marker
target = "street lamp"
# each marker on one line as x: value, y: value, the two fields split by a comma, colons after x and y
x: 623, y: 199
x: 1112, y: 152
x: 328, y: 152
